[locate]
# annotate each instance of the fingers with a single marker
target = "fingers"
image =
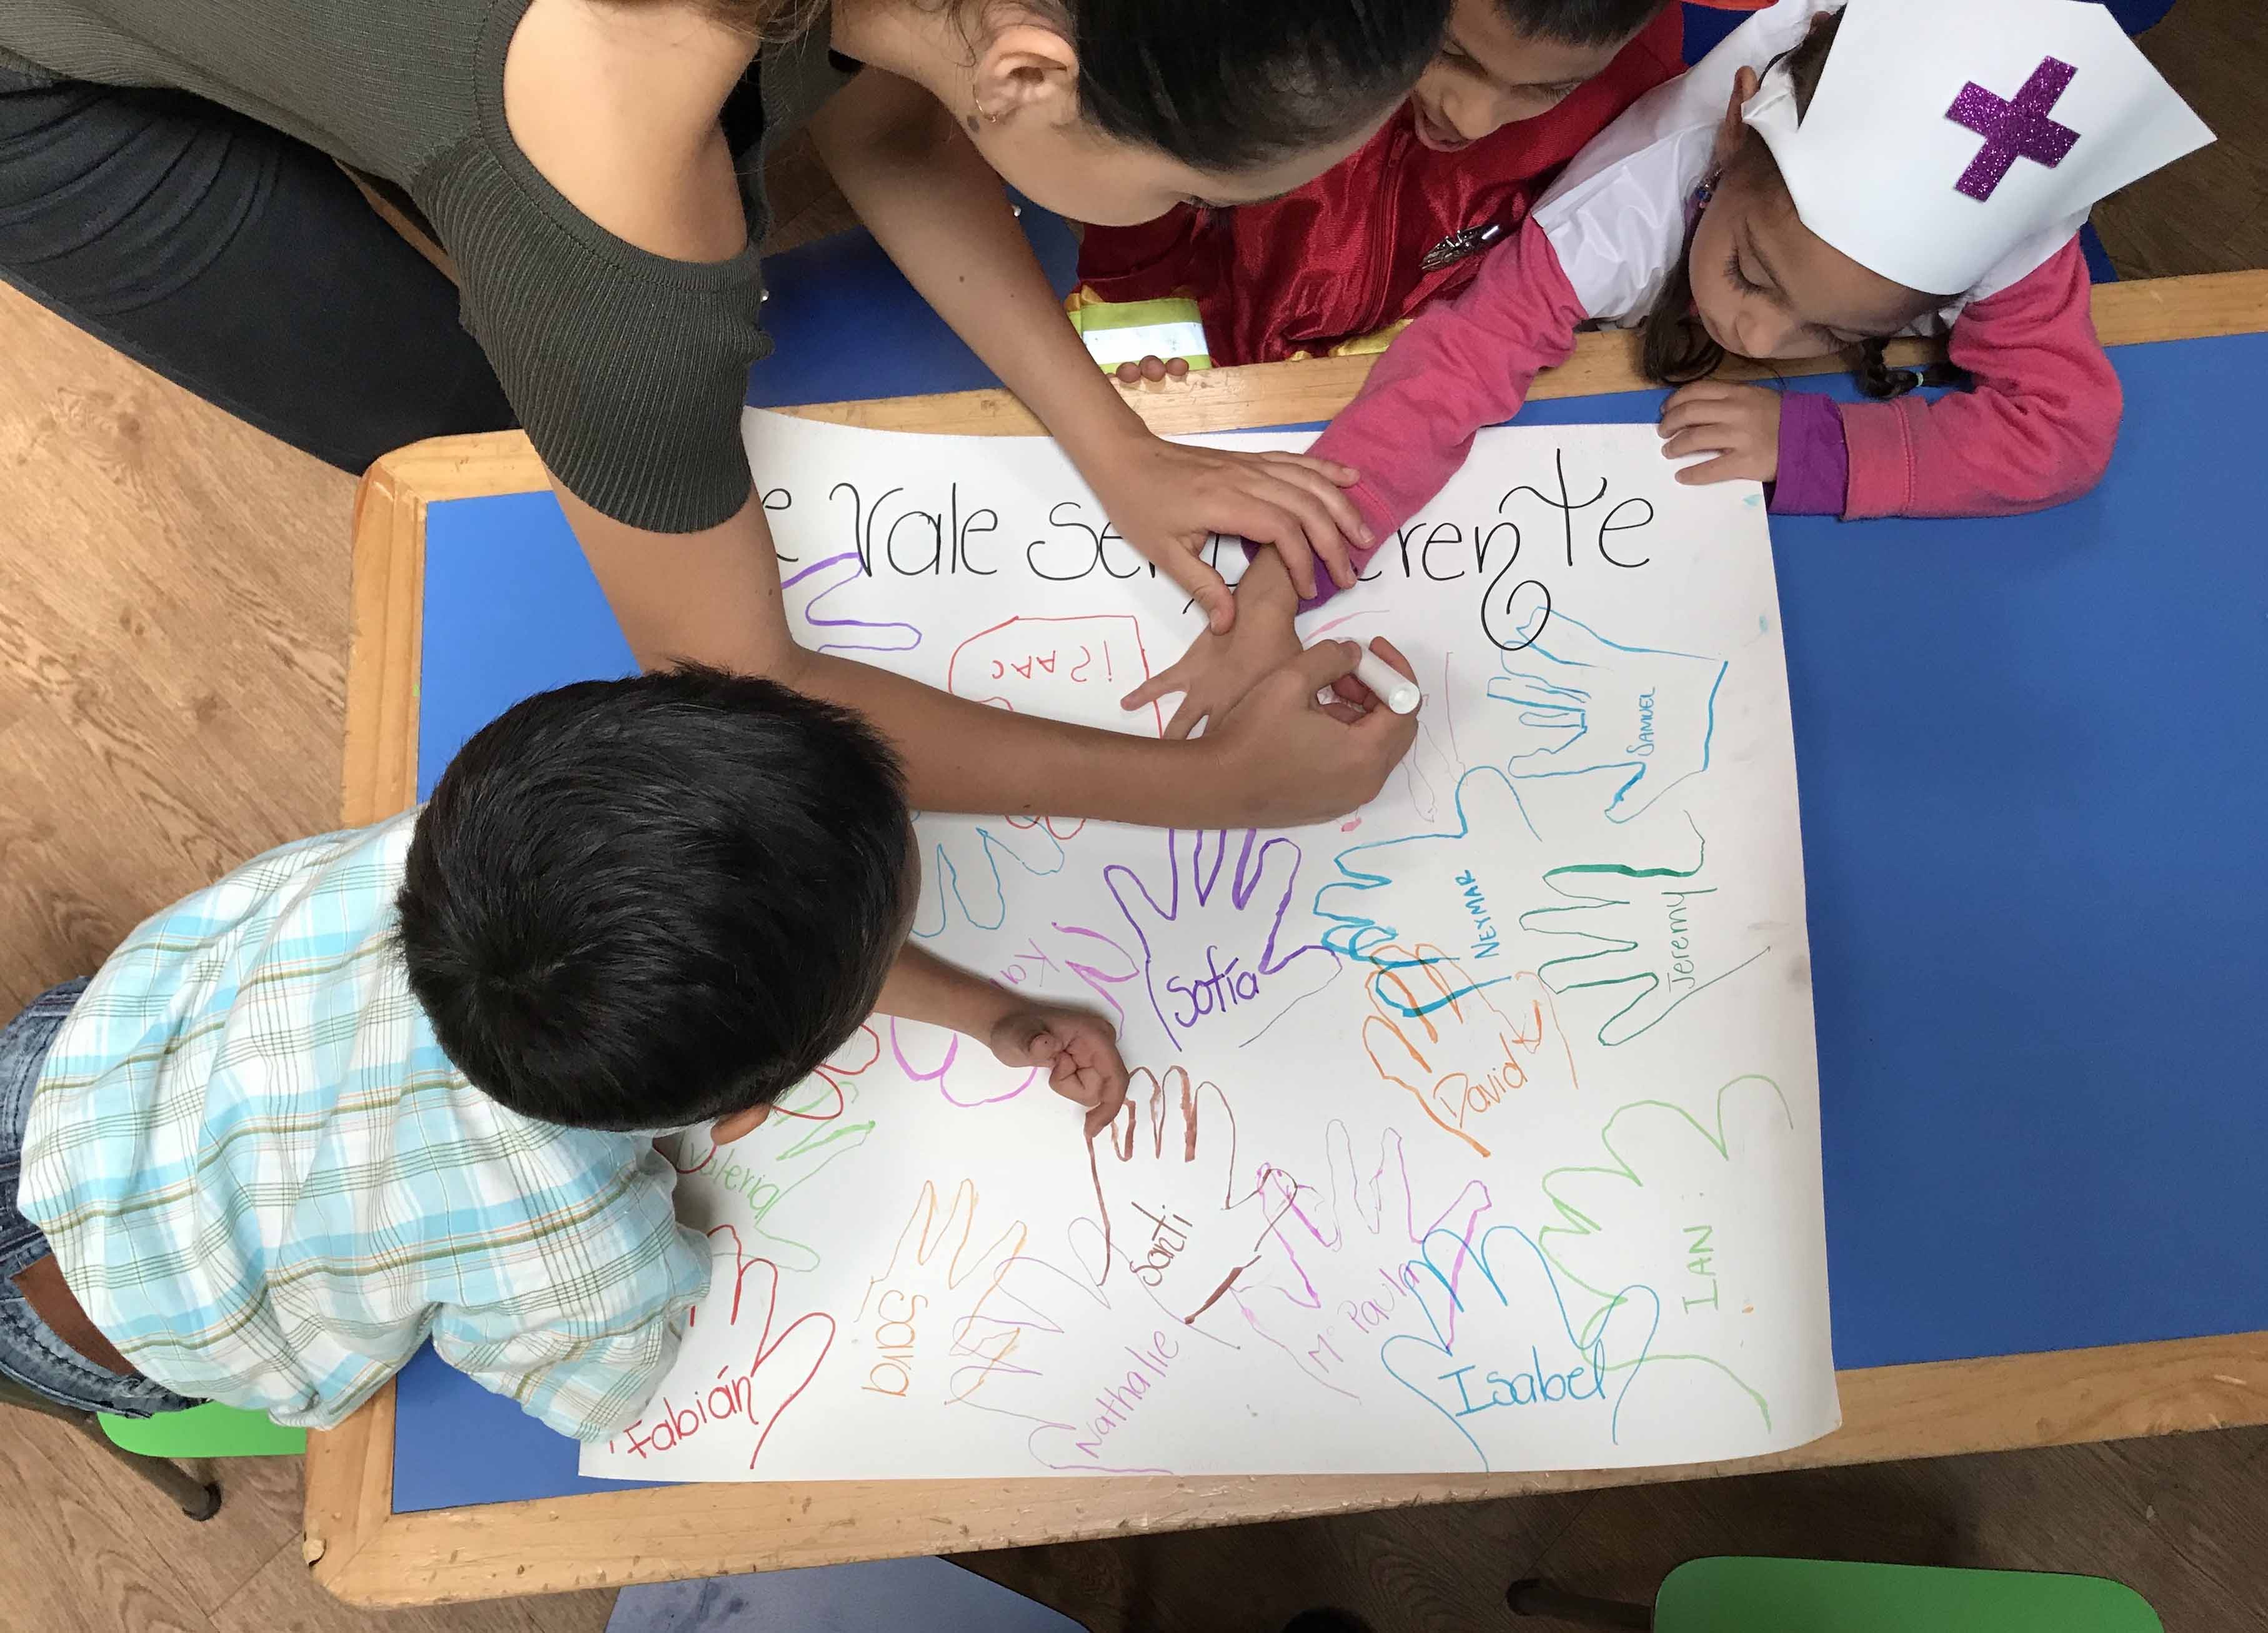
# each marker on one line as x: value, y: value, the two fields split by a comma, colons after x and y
x: 1024, y: 1040
x: 1707, y: 440
x: 1345, y: 521
x: 1693, y: 416
x: 1299, y: 561
x: 1731, y: 467
x: 1187, y: 718
x: 1165, y: 683
x: 1345, y: 475
x: 1205, y: 586
x: 1089, y: 1072
x: 1325, y: 663
x: 1394, y: 655
x: 1152, y: 369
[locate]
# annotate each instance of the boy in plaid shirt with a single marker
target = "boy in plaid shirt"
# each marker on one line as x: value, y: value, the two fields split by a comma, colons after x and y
x: 403, y: 1081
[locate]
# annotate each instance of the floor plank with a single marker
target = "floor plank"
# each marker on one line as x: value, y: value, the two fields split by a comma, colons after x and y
x: 88, y: 1549
x: 282, y: 1597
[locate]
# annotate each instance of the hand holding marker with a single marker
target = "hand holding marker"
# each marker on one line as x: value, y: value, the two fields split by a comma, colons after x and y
x: 1392, y: 687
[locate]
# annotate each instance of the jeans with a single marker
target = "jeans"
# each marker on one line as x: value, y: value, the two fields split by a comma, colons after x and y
x: 236, y: 261
x: 31, y: 1354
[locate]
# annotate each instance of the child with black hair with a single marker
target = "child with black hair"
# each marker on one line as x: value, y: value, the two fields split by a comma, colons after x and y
x: 405, y: 1080
x: 1515, y: 90
x: 1813, y: 186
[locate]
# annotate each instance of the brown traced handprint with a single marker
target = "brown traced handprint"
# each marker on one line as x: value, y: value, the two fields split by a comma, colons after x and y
x: 1461, y: 1045
x: 1174, y: 1221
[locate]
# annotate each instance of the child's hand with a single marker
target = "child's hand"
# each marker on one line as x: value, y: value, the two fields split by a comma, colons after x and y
x: 1168, y: 500
x: 1080, y: 1050
x: 1217, y: 670
x: 1740, y: 424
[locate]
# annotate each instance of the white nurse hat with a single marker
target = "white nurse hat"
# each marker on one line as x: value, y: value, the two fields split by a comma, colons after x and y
x: 1947, y: 138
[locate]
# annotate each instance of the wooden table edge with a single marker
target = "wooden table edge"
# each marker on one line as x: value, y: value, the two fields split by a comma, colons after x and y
x: 364, y: 1552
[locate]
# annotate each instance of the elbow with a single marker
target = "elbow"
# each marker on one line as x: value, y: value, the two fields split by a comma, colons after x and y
x: 2064, y: 462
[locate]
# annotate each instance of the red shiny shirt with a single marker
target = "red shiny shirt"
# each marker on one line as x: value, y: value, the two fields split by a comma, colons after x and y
x: 1343, y: 255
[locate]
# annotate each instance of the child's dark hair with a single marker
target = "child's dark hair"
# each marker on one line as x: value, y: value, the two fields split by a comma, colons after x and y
x: 1220, y: 84
x: 1675, y: 348
x: 1579, y: 22
x: 651, y: 902
x: 1238, y: 86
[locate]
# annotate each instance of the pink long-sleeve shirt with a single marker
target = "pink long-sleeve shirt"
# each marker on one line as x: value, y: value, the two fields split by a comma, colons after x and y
x: 2036, y: 429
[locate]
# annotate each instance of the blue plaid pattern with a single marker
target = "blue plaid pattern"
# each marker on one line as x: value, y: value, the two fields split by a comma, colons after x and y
x: 267, y: 1184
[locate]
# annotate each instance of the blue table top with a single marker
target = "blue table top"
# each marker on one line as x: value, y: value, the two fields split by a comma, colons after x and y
x: 2033, y: 772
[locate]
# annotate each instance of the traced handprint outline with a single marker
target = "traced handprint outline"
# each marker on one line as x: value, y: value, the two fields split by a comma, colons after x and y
x: 1453, y: 1047
x: 968, y: 863
x: 1563, y: 1241
x: 809, y: 1128
x: 1339, y: 1268
x: 1246, y: 919
x: 760, y: 1394
x: 1021, y: 1343
x: 835, y: 576
x: 1369, y: 905
x: 1076, y: 666
x: 1598, y: 705
x: 1146, y: 1165
x: 1641, y: 920
x: 981, y: 1079
x: 1508, y: 1263
x: 907, y: 1337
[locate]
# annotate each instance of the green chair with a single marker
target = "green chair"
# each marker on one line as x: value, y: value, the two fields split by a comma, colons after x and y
x: 208, y: 1430
x: 1733, y: 1595
x: 148, y: 1444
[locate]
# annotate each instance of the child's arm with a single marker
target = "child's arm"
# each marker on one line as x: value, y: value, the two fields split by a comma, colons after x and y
x: 2035, y: 431
x: 581, y: 1325
x: 1465, y: 365
x: 1080, y: 1049
x: 938, y: 209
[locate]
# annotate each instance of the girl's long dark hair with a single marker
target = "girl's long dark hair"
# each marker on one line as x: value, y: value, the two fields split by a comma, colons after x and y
x: 1675, y: 348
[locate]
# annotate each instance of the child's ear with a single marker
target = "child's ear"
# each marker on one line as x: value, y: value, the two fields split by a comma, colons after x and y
x: 1027, y: 68
x: 739, y: 1125
x: 1731, y: 130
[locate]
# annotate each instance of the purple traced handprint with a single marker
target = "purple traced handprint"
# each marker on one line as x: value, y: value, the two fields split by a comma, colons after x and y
x: 1217, y: 960
x: 828, y: 579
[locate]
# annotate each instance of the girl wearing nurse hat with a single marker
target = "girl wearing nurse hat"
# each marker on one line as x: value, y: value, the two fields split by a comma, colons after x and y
x: 1826, y: 178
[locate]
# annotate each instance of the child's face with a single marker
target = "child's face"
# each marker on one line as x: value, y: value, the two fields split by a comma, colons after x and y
x: 1765, y: 285
x: 1489, y: 75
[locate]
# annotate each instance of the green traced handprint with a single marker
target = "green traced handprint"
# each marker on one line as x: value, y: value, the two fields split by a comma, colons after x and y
x: 1659, y: 931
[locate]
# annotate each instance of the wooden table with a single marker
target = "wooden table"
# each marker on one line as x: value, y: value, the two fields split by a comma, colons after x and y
x: 363, y: 1551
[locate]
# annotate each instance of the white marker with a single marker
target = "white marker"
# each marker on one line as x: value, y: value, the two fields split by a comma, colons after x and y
x: 1394, y: 688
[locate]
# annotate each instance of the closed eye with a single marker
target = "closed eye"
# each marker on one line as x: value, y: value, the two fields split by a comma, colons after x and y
x: 1739, y: 279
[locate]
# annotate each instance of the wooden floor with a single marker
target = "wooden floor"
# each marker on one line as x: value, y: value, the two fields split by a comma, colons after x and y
x: 173, y: 635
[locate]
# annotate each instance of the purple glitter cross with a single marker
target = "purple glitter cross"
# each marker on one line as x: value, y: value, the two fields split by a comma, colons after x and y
x: 2014, y: 130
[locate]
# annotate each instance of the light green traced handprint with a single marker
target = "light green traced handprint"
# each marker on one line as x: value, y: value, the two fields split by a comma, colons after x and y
x: 1662, y: 932
x: 748, y: 1182
x: 1701, y: 1210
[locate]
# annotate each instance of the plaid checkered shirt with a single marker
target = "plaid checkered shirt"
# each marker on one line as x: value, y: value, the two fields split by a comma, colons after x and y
x: 268, y: 1185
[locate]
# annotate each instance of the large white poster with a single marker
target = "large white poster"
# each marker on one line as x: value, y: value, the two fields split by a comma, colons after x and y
x: 1478, y: 1130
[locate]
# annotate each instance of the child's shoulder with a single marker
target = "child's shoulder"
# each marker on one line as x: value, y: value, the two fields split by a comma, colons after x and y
x: 1616, y: 216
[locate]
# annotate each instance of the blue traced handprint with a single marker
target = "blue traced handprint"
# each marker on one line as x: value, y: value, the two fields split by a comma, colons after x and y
x: 1518, y: 1375
x: 1407, y: 889
x: 1596, y: 705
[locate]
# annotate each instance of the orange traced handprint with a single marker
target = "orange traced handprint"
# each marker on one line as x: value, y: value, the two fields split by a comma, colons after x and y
x: 1461, y: 1045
